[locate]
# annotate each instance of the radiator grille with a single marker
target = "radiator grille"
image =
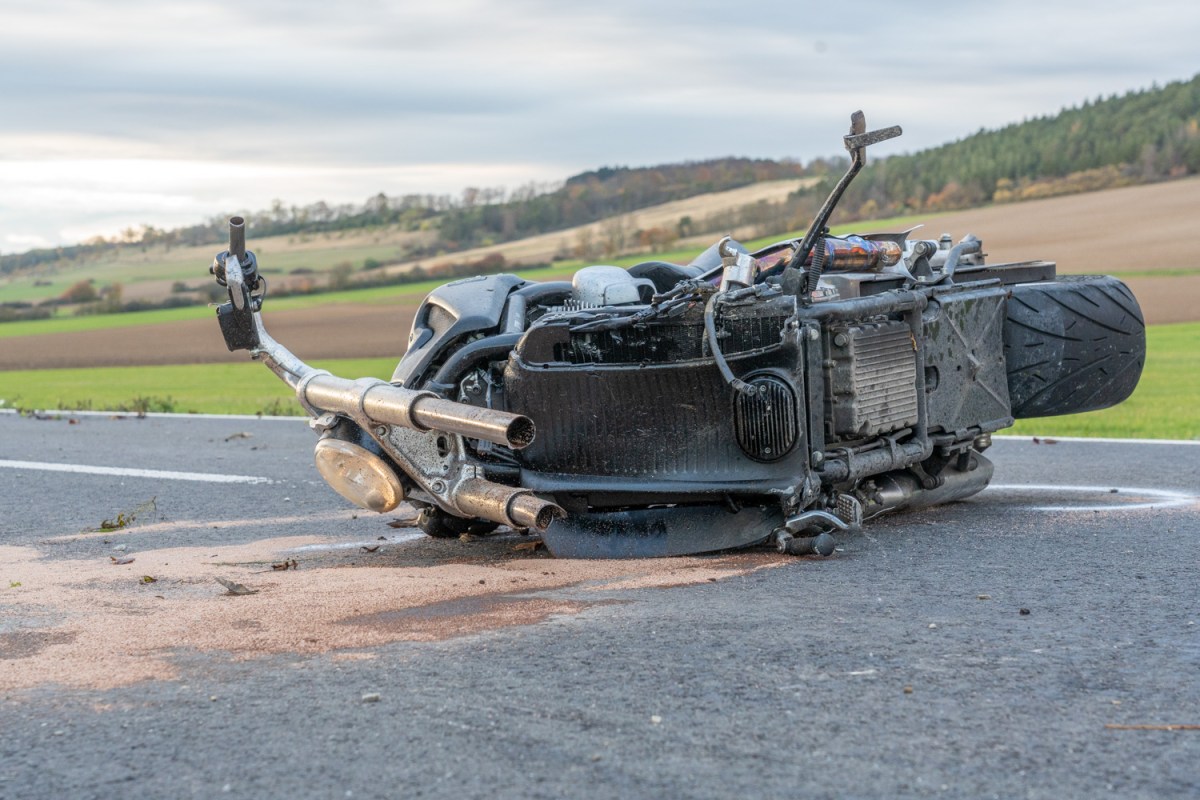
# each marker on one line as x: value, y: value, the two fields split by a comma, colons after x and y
x: 766, y: 423
x: 662, y: 423
x: 872, y: 379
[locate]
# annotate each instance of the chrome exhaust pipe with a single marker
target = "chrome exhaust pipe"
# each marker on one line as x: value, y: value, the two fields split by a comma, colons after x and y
x: 377, y: 401
x: 517, y: 508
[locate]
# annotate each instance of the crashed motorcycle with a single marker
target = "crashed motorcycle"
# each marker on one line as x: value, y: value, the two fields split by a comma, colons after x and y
x: 747, y: 398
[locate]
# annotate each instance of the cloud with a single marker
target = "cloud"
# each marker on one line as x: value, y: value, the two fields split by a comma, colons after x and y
x: 378, y: 89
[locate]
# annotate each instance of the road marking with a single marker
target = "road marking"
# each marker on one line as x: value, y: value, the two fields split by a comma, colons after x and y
x: 52, y: 412
x: 1088, y: 439
x: 397, y: 538
x: 129, y: 472
x: 299, y: 418
x: 1169, y: 498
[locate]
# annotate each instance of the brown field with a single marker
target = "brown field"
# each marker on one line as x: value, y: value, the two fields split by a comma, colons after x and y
x: 1117, y: 230
x: 351, y: 330
x: 1126, y: 231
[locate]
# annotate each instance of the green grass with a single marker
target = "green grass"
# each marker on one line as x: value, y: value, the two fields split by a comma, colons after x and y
x: 407, y: 293
x: 246, y: 388
x: 1163, y: 406
x: 385, y: 294
x: 189, y: 264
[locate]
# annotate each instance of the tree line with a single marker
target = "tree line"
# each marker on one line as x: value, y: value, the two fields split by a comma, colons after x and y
x: 1141, y: 136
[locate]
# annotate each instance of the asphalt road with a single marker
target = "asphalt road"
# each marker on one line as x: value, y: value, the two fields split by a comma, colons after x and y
x: 901, y: 666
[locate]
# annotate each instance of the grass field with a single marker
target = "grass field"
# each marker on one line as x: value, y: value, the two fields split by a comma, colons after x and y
x: 1163, y: 406
x: 247, y: 388
x: 413, y: 292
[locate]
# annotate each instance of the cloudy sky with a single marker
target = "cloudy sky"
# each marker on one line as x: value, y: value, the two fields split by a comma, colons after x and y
x: 123, y: 112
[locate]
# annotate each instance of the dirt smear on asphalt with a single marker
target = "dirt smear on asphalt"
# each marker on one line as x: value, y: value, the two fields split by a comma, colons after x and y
x: 92, y: 623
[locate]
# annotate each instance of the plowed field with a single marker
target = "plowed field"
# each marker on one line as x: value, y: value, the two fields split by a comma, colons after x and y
x: 1141, y: 229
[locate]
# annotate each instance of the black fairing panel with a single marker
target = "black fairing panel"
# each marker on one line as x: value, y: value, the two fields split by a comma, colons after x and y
x: 457, y: 309
x: 966, y: 380
x: 648, y: 414
x: 658, y: 532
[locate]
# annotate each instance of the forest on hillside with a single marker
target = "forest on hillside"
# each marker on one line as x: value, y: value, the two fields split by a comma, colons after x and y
x: 1142, y: 136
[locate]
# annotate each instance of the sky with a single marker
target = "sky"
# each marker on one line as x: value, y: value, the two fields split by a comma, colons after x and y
x: 167, y: 112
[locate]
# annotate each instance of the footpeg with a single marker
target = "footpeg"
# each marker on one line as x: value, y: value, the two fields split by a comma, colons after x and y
x: 820, y: 545
x: 849, y: 510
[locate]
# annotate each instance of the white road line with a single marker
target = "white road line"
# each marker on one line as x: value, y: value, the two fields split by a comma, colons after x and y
x: 156, y: 415
x: 1093, y: 439
x: 127, y: 472
x: 398, y: 538
x: 172, y: 415
x: 1170, y: 498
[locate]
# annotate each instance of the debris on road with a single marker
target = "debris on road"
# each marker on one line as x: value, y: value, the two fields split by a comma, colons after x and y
x: 291, y: 563
x: 528, y: 547
x: 118, y: 562
x: 236, y: 588
x: 370, y: 697
x: 239, y: 435
x: 126, y: 518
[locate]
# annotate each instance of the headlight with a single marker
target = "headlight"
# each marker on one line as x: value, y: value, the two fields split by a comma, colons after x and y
x: 358, y: 475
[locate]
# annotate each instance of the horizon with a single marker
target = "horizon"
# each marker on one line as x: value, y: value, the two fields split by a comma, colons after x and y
x: 167, y: 115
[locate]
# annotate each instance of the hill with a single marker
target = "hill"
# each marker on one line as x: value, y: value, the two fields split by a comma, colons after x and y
x: 1143, y: 136
x: 1084, y: 233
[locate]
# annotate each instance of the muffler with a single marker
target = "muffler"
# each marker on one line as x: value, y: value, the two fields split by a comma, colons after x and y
x: 517, y: 508
x: 899, y: 490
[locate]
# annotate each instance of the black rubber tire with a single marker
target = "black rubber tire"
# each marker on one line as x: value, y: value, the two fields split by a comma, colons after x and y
x: 1072, y: 345
x: 440, y: 525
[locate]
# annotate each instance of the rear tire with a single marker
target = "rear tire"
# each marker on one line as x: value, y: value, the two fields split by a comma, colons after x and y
x: 1076, y: 344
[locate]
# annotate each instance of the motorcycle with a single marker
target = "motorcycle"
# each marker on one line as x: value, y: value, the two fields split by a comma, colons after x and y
x: 746, y: 398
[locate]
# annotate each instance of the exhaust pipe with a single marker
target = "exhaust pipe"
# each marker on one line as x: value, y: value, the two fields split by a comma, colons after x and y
x: 517, y: 508
x: 423, y: 411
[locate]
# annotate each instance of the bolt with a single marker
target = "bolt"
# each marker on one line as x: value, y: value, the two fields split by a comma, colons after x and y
x: 438, y: 487
x: 381, y: 430
x: 841, y: 340
x: 814, y: 334
x: 817, y: 458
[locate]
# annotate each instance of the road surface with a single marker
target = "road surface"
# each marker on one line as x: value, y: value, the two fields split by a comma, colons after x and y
x: 983, y: 649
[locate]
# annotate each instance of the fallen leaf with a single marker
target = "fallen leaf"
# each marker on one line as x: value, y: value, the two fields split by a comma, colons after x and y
x: 126, y: 518
x: 402, y: 523
x: 236, y: 588
x: 370, y: 549
x: 239, y: 435
x: 528, y: 547
x: 289, y: 564
x: 149, y: 579
x: 123, y: 560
